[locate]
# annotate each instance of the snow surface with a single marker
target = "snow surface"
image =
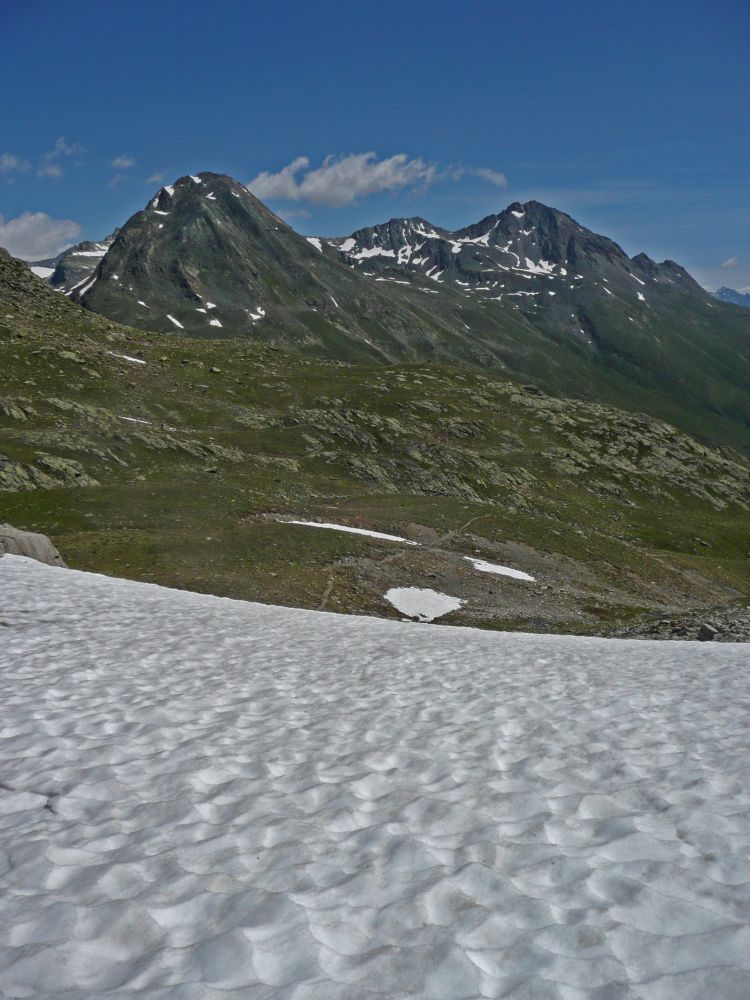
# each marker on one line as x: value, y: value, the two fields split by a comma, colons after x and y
x: 175, y: 321
x: 314, y: 241
x: 212, y: 800
x: 42, y: 272
x: 488, y: 567
x: 127, y: 357
x: 353, y: 531
x: 422, y: 602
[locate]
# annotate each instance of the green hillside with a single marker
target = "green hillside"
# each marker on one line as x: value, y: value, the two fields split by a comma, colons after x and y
x: 175, y: 460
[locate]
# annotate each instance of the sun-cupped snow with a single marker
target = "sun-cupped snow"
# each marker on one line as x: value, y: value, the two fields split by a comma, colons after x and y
x: 488, y: 567
x: 422, y: 603
x: 352, y: 531
x: 207, y: 798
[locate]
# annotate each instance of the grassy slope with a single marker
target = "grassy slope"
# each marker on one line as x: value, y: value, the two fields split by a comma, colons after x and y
x: 611, y: 512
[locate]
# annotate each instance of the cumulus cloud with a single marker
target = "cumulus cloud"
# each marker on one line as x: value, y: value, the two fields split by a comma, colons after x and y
x: 340, y: 180
x: 492, y: 176
x: 123, y: 162
x: 730, y: 262
x: 50, y: 165
x: 10, y: 164
x: 35, y: 235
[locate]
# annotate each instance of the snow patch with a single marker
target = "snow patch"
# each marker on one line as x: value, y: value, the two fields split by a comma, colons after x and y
x: 42, y: 272
x: 352, y: 531
x: 422, y: 603
x: 127, y: 357
x: 487, y: 567
x: 314, y: 241
x: 175, y: 321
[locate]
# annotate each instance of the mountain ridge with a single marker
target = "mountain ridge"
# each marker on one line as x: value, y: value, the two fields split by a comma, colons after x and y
x: 527, y: 292
x: 734, y: 296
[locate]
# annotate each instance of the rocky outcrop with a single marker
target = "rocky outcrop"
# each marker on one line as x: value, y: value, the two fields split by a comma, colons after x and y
x: 15, y: 542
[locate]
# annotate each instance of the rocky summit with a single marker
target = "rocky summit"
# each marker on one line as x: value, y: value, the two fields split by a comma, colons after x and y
x: 526, y: 293
x: 737, y: 298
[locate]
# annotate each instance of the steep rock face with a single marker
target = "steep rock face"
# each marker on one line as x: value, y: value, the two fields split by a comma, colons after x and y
x: 207, y: 258
x: 72, y: 269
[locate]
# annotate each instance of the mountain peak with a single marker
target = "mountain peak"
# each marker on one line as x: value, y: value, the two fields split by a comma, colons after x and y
x: 735, y: 296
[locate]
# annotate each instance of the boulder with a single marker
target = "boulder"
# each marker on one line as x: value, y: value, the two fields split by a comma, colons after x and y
x: 28, y: 543
x: 707, y: 632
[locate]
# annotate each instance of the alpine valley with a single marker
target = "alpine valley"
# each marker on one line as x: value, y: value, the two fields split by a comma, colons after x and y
x: 518, y: 394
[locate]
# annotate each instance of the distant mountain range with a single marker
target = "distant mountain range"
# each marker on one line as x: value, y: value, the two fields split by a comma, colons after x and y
x: 737, y: 298
x: 527, y: 292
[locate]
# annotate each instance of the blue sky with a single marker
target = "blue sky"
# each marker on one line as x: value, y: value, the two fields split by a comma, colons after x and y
x: 633, y: 117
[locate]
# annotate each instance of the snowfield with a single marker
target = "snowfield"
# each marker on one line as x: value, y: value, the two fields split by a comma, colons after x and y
x: 203, y: 799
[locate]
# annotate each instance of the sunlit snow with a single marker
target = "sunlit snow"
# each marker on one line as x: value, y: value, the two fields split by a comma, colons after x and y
x: 353, y: 531
x: 127, y: 357
x: 422, y: 603
x: 488, y: 567
x: 203, y: 798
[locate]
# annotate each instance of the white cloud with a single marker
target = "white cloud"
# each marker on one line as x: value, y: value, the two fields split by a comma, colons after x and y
x: 730, y: 262
x: 340, y: 180
x: 50, y: 170
x: 50, y: 166
x: 10, y: 164
x: 492, y: 176
x: 123, y: 162
x: 35, y: 235
x: 288, y: 214
x: 156, y: 178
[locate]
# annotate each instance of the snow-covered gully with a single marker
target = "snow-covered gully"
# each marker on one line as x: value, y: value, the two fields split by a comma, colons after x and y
x: 202, y: 798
